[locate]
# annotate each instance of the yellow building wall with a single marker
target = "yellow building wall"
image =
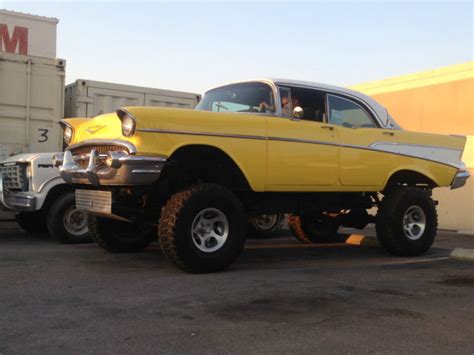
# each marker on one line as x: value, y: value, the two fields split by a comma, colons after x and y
x: 436, y: 101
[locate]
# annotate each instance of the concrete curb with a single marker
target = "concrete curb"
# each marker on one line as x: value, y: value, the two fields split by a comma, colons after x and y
x: 362, y: 240
x: 462, y: 254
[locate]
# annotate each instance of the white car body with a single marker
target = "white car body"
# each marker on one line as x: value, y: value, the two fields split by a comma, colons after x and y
x: 26, y: 180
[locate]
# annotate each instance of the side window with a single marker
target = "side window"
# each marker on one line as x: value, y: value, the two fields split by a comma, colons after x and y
x: 223, y: 106
x: 347, y: 113
x: 311, y: 101
x: 244, y: 97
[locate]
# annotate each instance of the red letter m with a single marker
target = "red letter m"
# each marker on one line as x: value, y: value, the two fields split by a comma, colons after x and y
x: 18, y: 39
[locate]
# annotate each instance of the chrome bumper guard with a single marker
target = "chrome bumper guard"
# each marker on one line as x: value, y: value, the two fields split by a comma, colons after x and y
x: 114, y: 168
x: 16, y: 201
x: 460, y: 179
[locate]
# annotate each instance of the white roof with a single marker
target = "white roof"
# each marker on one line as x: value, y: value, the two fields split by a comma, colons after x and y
x: 377, y: 108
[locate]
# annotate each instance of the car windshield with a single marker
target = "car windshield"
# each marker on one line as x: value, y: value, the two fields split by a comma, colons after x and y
x: 246, y: 97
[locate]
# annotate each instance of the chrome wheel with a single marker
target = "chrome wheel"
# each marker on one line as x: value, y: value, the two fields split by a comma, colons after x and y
x: 414, y: 222
x: 209, y: 230
x: 265, y: 221
x: 75, y: 222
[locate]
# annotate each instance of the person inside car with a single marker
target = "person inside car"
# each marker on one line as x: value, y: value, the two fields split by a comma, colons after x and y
x: 286, y: 106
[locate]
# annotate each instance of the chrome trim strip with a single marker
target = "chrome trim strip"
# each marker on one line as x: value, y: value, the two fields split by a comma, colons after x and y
x: 131, y: 148
x: 413, y: 145
x: 207, y: 134
x: 307, y: 141
x: 442, y: 155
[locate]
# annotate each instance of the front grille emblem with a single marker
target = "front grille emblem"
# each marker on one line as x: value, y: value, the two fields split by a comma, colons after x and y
x: 94, y: 129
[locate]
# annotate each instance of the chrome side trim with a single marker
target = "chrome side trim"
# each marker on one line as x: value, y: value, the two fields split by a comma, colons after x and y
x: 443, y: 155
x: 374, y: 145
x: 307, y: 141
x: 129, y: 146
x: 383, y: 147
x: 206, y: 134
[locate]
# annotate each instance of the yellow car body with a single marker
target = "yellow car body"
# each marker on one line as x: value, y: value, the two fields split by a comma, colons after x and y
x: 280, y: 154
x: 324, y: 155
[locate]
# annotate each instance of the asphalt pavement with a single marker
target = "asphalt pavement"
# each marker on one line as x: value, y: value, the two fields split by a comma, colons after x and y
x: 280, y: 297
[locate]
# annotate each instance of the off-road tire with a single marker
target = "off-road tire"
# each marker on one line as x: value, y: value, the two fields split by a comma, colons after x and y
x: 254, y: 230
x: 176, y: 240
x: 56, y: 221
x: 120, y: 237
x: 389, y: 221
x: 32, y: 222
x: 307, y: 229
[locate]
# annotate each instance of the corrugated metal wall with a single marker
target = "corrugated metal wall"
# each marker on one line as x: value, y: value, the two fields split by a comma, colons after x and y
x: 436, y: 101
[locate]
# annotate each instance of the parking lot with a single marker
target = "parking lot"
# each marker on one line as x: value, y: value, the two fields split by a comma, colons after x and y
x: 280, y: 297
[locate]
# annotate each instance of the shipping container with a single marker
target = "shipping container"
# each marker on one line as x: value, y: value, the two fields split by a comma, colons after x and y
x: 88, y: 98
x: 27, y: 34
x: 31, y: 104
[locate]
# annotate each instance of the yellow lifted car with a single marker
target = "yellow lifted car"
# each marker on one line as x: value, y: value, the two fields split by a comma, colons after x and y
x: 192, y: 178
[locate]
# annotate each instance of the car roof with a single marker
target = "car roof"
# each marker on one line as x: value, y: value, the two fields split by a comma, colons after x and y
x: 378, y: 109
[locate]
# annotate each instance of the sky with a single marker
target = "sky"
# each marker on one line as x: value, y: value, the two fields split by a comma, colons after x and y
x: 193, y: 46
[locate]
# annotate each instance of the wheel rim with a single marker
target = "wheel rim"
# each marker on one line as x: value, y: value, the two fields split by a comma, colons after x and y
x: 209, y: 230
x: 75, y: 222
x: 265, y: 221
x: 414, y: 222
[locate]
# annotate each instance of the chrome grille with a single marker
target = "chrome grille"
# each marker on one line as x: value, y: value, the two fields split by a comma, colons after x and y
x: 101, y: 149
x: 14, y: 176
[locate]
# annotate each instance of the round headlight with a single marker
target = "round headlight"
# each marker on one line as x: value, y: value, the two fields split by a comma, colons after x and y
x: 67, y: 134
x: 128, y: 126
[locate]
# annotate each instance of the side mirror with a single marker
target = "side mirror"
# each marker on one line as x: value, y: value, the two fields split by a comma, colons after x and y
x: 298, y: 113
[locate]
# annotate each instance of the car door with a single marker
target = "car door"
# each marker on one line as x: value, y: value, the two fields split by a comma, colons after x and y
x: 361, y: 163
x: 303, y: 154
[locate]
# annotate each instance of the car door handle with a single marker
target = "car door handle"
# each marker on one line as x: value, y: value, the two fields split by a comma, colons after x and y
x: 389, y: 133
x: 328, y: 127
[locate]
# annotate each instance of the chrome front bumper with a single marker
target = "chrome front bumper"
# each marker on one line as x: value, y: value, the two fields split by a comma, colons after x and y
x: 460, y: 179
x: 16, y: 201
x: 116, y: 168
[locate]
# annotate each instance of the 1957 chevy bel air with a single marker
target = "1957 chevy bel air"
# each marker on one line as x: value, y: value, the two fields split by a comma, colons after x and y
x: 323, y: 154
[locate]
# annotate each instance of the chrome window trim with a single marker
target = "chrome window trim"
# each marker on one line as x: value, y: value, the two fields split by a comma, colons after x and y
x: 131, y: 148
x: 343, y: 95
